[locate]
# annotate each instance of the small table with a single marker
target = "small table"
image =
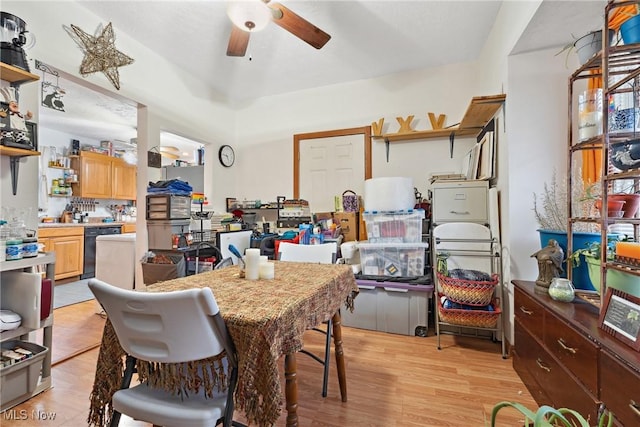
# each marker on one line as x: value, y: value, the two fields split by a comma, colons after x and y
x: 267, y: 320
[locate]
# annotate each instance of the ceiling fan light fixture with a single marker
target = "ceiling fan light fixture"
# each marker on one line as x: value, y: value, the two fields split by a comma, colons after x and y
x: 249, y: 15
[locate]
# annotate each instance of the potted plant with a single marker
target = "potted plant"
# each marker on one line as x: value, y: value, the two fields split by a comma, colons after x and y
x: 547, y: 416
x: 550, y: 209
x: 586, y: 46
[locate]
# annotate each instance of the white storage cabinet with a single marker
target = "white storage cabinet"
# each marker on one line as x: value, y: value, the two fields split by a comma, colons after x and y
x: 22, y: 294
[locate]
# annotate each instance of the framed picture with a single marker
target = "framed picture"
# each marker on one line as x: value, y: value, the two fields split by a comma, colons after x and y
x: 32, y: 129
x: 620, y: 316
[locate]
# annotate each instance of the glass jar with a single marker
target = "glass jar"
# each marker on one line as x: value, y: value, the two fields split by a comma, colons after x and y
x: 561, y: 290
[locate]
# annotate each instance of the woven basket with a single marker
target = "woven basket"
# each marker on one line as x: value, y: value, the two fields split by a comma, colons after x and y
x: 470, y: 318
x: 468, y: 292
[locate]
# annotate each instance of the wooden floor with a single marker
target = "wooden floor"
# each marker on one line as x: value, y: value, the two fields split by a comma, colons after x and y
x: 393, y: 380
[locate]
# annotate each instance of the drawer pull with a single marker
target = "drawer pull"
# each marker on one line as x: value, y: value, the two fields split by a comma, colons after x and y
x: 635, y: 407
x: 540, y: 363
x: 525, y: 311
x: 460, y: 213
x: 564, y: 346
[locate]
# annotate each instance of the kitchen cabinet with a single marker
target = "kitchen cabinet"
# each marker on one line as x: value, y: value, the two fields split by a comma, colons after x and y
x: 28, y: 377
x: 129, y: 228
x: 68, y: 245
x: 104, y: 177
x: 124, y: 180
x: 565, y: 360
x: 15, y: 76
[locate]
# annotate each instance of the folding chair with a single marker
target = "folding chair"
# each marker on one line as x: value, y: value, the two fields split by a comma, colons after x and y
x: 169, y: 327
x: 323, y: 254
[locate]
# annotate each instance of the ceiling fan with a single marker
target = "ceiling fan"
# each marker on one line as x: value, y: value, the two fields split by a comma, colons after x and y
x: 251, y: 16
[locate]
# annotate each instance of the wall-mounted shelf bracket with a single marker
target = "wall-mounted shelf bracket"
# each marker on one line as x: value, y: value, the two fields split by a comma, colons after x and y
x: 386, y: 147
x: 14, y: 164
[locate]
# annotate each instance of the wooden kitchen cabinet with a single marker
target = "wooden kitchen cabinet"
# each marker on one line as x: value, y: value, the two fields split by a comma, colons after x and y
x: 129, y: 228
x: 104, y: 177
x: 68, y: 245
x: 124, y: 180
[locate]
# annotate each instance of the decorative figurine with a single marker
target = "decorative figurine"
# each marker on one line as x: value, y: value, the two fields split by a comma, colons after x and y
x: 549, y: 265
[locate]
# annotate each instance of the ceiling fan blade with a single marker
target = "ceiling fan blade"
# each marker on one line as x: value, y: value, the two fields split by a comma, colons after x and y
x: 238, y: 42
x: 298, y: 26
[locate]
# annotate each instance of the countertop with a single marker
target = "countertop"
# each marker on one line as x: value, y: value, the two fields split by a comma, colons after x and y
x: 87, y: 224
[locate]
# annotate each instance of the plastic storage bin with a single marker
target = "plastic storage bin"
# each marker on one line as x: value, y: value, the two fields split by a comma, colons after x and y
x: 392, y: 259
x: 168, y: 206
x: 394, y: 227
x: 393, y: 307
x: 21, y: 378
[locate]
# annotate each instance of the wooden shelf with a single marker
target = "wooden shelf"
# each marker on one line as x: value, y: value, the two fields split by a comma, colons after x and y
x: 16, y: 75
x: 11, y: 151
x: 480, y: 111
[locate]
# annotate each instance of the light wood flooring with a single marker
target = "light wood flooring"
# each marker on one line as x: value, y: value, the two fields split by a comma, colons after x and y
x: 393, y: 380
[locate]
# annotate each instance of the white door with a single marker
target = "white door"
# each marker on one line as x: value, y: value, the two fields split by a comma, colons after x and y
x: 328, y: 167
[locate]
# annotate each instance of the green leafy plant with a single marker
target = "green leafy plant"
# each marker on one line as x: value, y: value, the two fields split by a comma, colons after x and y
x: 547, y: 416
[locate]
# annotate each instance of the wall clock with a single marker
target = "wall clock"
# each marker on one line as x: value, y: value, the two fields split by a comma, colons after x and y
x: 226, y: 155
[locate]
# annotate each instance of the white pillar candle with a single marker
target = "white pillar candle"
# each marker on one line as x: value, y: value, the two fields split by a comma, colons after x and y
x: 264, y: 259
x: 252, y: 269
x: 267, y: 270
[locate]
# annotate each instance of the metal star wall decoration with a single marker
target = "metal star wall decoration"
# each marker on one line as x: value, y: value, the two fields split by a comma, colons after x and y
x: 100, y: 54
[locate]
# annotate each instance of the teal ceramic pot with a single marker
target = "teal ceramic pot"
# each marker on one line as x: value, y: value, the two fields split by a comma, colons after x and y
x: 630, y: 30
x: 579, y: 275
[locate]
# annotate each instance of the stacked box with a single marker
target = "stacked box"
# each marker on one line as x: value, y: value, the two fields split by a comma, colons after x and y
x: 168, y: 206
x: 394, y: 227
x: 392, y: 259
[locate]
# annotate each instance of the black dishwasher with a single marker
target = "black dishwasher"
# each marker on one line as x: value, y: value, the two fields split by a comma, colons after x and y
x: 90, y: 234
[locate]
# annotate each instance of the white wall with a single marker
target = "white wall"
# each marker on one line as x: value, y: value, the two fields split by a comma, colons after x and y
x: 538, y: 142
x: 266, y: 147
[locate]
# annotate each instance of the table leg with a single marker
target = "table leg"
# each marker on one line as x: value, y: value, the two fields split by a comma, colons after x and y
x: 291, y: 389
x: 337, y: 343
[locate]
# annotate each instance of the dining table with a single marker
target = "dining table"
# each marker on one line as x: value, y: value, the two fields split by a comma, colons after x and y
x: 266, y: 320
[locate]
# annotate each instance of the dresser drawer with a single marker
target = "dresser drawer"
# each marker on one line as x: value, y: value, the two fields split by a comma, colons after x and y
x: 563, y: 390
x: 461, y: 202
x: 529, y: 313
x: 573, y: 350
x: 620, y: 389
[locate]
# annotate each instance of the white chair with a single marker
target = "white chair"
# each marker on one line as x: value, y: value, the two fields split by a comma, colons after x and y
x: 169, y: 327
x: 323, y: 254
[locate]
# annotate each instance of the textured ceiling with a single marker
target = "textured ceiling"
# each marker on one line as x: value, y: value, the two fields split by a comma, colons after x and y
x: 368, y: 39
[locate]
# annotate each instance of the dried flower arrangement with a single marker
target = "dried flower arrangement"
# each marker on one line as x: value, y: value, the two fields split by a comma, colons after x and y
x: 551, y: 207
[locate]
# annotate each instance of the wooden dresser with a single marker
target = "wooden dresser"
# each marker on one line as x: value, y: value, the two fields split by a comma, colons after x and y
x: 565, y: 360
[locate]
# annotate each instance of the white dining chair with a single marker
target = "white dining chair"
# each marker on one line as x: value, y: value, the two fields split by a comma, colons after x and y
x: 325, y: 253
x: 151, y: 326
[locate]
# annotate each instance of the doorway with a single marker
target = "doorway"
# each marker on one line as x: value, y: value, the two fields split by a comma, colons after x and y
x: 330, y: 162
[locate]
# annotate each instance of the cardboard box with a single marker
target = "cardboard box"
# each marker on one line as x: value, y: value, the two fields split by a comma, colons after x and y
x: 348, y: 222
